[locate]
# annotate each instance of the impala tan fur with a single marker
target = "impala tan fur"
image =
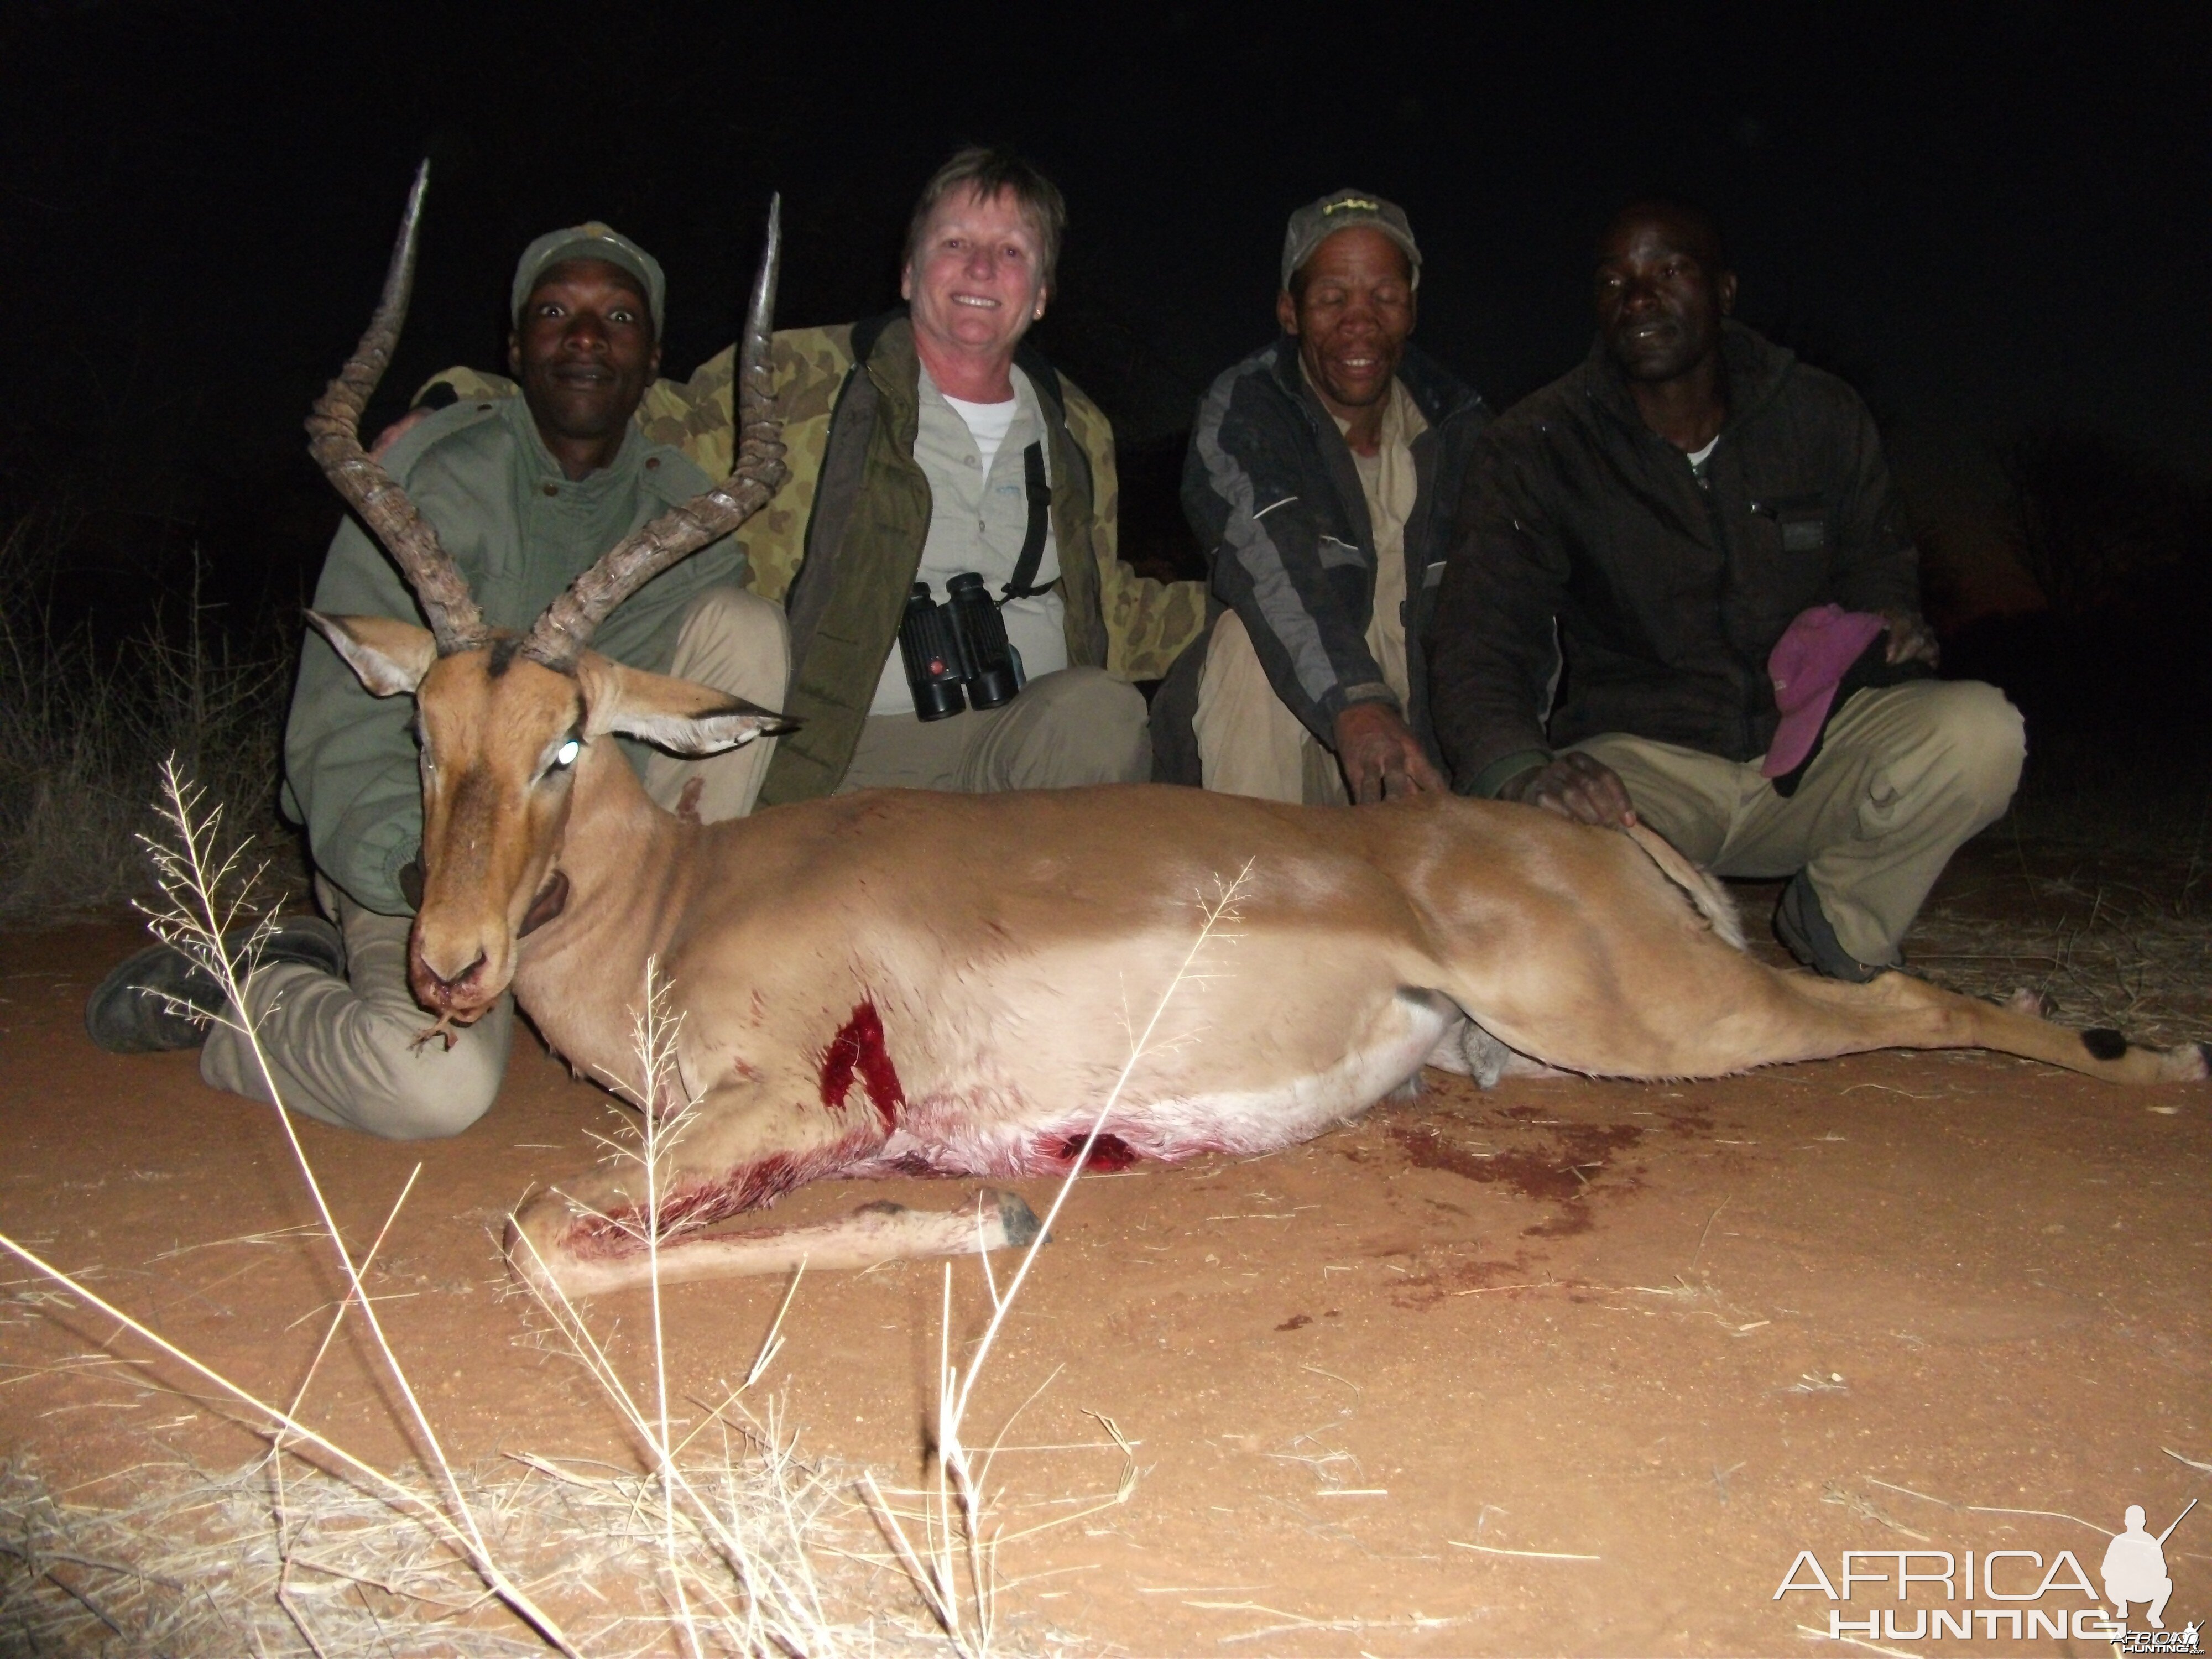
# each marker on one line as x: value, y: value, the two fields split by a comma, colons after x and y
x: 895, y: 982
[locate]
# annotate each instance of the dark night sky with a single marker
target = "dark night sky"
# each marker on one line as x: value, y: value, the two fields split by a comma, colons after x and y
x: 1986, y: 216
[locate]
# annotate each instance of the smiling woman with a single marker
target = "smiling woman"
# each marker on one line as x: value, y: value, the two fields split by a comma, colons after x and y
x: 978, y: 267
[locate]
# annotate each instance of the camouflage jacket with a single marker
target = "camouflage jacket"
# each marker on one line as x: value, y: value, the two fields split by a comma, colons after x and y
x: 1145, y: 623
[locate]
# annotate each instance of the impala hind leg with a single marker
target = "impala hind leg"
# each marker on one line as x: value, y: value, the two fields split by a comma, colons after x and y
x: 1726, y: 1013
x: 1897, y: 1011
x: 1647, y: 1001
x: 1635, y: 976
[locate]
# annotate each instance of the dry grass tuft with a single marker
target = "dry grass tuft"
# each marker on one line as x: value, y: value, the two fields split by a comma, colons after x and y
x: 224, y: 1565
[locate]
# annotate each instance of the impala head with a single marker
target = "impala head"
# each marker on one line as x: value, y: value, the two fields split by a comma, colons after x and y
x: 508, y: 721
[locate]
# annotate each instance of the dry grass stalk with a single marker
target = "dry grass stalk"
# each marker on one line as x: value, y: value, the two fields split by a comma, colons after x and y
x: 959, y: 1546
x: 246, y: 1563
x: 777, y: 1604
x: 205, y: 903
x: 217, y: 1565
x: 208, y: 899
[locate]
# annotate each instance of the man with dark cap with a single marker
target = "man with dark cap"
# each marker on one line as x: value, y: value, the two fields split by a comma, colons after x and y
x: 1314, y: 479
x: 1681, y: 590
x: 525, y: 493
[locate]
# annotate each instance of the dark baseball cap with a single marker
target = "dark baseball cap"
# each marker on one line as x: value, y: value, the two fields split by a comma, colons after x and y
x: 590, y: 241
x: 1315, y: 222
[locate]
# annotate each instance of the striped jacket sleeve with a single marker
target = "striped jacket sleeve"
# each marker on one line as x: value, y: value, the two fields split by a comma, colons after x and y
x: 1249, y: 484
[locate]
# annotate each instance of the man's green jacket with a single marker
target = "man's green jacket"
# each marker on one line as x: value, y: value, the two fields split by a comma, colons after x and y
x: 520, y: 530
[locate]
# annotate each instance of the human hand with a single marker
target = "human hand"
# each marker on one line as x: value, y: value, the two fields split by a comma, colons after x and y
x: 1575, y: 787
x: 1381, y: 758
x: 398, y: 430
x: 1911, y: 639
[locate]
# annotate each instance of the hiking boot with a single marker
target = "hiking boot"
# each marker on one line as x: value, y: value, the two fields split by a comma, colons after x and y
x: 163, y: 999
x: 1802, y: 927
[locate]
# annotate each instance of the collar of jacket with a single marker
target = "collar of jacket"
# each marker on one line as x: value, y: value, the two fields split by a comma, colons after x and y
x: 541, y: 466
x: 1756, y: 369
x: 884, y: 343
x: 1437, y: 392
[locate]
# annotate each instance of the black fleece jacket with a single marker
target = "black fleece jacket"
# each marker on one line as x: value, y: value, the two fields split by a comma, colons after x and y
x: 1593, y: 584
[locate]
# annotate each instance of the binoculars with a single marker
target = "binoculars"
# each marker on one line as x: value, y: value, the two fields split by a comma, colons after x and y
x: 956, y: 653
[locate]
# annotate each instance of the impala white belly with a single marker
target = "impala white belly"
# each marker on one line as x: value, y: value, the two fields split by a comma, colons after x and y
x: 1204, y: 1093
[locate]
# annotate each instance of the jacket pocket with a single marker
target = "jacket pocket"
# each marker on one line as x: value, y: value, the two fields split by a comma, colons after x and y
x: 1801, y: 520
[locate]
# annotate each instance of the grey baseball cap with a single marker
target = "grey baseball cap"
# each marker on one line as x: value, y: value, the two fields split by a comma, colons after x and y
x: 590, y: 241
x: 1315, y: 222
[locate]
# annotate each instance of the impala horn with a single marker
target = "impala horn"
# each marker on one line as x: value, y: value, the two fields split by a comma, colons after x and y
x: 566, y: 626
x: 334, y: 439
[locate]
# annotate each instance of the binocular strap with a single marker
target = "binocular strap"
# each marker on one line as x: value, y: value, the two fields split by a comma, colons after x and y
x: 1032, y: 553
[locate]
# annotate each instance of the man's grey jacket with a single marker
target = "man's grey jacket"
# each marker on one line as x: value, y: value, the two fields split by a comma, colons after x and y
x: 1596, y: 585
x: 1270, y: 488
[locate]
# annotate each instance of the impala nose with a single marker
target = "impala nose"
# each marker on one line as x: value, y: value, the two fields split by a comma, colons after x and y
x: 446, y: 993
x: 449, y: 984
x: 446, y: 976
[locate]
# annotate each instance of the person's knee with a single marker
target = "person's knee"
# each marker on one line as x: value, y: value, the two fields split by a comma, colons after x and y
x: 730, y: 632
x: 424, y: 1095
x: 1986, y: 739
x: 1098, y: 727
x: 1118, y: 726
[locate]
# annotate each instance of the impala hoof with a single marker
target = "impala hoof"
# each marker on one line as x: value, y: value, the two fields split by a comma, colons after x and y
x: 1016, y: 1219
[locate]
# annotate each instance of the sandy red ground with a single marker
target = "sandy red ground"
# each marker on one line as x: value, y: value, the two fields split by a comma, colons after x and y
x: 1687, y: 1331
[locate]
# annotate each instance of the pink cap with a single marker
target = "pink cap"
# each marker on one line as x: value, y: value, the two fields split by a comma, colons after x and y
x: 1810, y: 659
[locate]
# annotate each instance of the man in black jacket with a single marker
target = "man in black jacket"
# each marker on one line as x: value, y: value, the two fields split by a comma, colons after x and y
x: 1633, y: 543
x: 1320, y: 478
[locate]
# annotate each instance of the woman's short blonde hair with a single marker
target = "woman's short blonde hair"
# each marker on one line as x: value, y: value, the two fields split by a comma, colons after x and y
x: 986, y: 171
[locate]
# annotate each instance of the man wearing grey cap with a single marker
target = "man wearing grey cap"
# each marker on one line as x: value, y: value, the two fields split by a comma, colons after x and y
x: 525, y: 493
x: 1313, y: 479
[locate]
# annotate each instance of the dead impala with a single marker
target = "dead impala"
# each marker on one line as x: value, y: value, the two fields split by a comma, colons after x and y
x: 895, y: 982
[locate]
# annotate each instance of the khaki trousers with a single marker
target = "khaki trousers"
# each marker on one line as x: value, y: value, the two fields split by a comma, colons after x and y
x: 1073, y: 726
x: 1248, y: 741
x: 344, y: 1051
x: 1904, y: 775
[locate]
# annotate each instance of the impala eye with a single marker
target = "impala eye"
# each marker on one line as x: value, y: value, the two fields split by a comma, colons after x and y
x: 567, y: 753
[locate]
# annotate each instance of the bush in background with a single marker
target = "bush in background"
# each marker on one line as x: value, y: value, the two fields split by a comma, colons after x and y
x: 2120, y: 544
x: 86, y: 723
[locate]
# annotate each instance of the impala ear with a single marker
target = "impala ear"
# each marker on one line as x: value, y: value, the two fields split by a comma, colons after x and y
x: 389, y: 656
x: 679, y: 715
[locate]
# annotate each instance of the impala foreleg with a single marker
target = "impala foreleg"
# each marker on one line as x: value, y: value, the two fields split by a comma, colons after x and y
x: 544, y: 1236
x: 739, y: 1154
